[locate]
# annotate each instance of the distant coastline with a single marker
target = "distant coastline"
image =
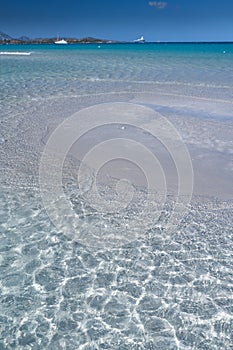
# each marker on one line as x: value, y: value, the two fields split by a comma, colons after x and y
x: 52, y: 40
x: 5, y: 39
x: 101, y: 41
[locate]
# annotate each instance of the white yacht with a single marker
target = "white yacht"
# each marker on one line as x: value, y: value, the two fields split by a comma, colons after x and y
x: 61, y: 42
x: 140, y: 40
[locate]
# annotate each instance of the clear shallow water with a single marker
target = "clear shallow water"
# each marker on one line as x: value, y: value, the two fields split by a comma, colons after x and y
x: 165, y: 290
x: 161, y: 292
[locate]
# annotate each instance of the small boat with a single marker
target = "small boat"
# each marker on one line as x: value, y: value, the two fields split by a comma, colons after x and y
x: 61, y: 42
x: 140, y: 40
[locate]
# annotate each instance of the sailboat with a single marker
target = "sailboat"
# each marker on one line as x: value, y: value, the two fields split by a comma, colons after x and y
x: 140, y: 40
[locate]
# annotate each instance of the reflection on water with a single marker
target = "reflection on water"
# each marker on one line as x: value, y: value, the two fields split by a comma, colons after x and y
x: 166, y: 290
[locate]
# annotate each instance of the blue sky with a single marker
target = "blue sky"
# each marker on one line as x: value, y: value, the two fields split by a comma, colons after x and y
x: 168, y: 20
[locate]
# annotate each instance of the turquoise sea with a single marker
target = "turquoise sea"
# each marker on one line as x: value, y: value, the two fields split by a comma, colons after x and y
x: 149, y: 128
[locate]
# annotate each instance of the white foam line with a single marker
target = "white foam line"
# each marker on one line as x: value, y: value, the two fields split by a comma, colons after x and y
x: 15, y: 53
x: 130, y: 93
x: 152, y: 82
